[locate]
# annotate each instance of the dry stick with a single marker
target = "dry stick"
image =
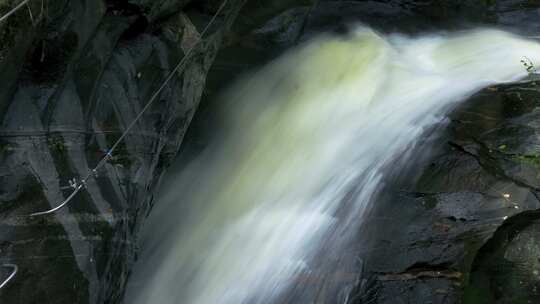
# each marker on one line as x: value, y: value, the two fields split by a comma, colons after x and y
x: 15, y: 269
x: 31, y: 15
x: 101, y: 163
x: 13, y: 11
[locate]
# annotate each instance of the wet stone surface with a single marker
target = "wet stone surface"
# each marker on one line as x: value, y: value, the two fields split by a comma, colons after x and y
x: 429, y: 231
x: 506, y: 270
x: 72, y: 79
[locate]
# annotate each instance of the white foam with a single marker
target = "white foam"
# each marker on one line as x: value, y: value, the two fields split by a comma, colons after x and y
x: 301, y: 132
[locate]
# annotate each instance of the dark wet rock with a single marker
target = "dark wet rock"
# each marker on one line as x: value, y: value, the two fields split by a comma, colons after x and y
x: 397, y: 16
x: 304, y: 19
x: 71, y: 82
x: 402, y: 291
x: 476, y: 182
x: 507, y: 268
x: 516, y: 14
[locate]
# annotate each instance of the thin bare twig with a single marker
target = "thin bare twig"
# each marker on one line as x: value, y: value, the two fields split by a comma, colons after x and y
x: 31, y: 15
x: 13, y: 11
x: 13, y: 273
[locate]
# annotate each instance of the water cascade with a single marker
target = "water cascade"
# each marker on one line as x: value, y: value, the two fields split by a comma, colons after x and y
x: 286, y: 181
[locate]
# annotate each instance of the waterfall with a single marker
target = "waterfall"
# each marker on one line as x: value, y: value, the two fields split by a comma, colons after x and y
x: 300, y: 157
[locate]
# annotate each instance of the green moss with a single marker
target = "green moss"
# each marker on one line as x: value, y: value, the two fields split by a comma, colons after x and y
x: 61, y: 160
x: 531, y: 159
x: 56, y: 143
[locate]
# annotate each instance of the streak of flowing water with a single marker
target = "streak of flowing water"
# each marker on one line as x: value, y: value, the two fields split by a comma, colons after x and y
x: 303, y: 152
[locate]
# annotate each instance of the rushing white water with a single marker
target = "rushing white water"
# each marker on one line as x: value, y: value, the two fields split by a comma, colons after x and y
x: 302, y: 154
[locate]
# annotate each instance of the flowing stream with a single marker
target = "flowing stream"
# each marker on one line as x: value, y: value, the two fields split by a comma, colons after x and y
x: 289, y: 176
